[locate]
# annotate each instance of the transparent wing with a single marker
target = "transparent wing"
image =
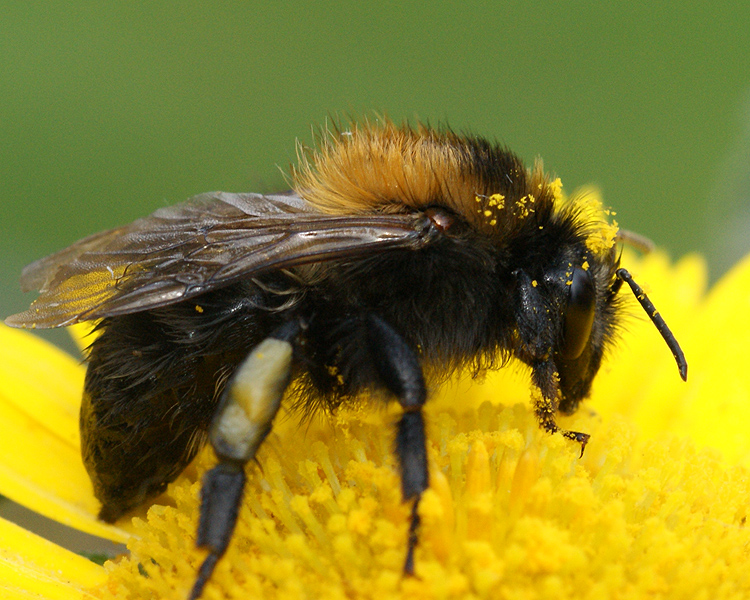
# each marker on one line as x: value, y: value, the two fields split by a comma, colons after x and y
x: 207, y: 242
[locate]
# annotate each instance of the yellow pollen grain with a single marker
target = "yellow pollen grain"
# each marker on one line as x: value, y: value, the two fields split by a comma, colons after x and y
x: 198, y: 308
x: 555, y: 187
x: 497, y: 200
x: 603, y: 238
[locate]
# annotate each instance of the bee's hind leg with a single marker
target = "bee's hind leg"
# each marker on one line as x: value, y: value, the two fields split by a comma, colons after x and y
x: 400, y: 371
x: 241, y: 423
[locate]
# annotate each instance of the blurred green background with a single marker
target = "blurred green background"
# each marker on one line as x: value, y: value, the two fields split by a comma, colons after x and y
x: 111, y: 110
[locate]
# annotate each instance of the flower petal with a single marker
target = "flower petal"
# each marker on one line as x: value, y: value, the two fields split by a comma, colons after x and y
x: 639, y: 377
x: 32, y: 567
x: 40, y: 445
x: 716, y: 410
x: 83, y: 334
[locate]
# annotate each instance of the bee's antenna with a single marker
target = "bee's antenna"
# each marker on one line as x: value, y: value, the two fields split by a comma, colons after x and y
x: 655, y: 317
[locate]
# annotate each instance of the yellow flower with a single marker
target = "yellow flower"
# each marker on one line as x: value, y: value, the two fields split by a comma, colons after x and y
x: 656, y: 507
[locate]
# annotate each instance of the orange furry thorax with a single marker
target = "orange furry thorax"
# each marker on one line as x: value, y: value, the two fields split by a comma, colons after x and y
x: 388, y: 168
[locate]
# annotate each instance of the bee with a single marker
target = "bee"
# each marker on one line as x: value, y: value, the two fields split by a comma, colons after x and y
x: 401, y: 255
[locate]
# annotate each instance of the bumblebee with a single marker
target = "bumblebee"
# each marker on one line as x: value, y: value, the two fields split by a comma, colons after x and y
x: 400, y: 256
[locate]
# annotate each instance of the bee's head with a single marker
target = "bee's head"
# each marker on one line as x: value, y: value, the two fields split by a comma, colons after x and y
x: 567, y: 314
x: 587, y: 313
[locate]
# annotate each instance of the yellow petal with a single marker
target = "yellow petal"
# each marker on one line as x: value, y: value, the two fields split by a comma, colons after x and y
x: 82, y: 334
x: 32, y: 567
x: 41, y: 468
x: 716, y: 409
x: 639, y: 377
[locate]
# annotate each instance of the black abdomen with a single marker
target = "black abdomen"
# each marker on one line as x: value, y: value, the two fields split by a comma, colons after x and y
x: 152, y: 385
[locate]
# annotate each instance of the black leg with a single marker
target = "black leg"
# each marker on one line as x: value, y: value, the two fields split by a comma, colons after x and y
x: 221, y: 497
x: 400, y: 371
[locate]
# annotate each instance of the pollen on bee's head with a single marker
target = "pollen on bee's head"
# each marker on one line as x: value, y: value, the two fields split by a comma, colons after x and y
x: 586, y: 204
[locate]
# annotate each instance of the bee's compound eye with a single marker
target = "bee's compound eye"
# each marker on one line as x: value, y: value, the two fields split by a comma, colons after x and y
x: 579, y: 314
x: 442, y: 219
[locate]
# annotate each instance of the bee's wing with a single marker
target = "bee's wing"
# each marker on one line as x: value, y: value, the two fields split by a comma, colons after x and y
x: 187, y: 249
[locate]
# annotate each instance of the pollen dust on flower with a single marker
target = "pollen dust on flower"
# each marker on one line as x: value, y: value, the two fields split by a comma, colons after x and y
x: 510, y: 512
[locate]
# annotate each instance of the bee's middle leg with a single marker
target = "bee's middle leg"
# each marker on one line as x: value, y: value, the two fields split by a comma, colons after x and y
x: 400, y: 371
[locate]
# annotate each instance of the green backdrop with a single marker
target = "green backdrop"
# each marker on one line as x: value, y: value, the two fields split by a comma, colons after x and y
x: 110, y: 110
